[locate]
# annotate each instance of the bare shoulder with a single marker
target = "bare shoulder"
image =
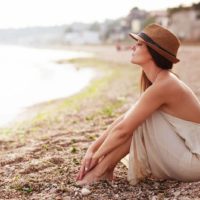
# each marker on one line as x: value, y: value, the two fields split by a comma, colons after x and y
x: 151, y: 99
x: 176, y: 89
x: 167, y: 79
x: 169, y: 84
x: 165, y: 86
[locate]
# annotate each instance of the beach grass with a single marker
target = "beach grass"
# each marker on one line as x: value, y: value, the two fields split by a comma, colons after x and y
x: 52, y: 112
x: 50, y: 144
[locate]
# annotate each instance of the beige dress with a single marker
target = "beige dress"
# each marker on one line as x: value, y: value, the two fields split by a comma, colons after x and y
x: 165, y: 147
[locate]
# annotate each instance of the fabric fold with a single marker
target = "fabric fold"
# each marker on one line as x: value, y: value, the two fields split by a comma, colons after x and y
x: 165, y: 147
x: 189, y: 131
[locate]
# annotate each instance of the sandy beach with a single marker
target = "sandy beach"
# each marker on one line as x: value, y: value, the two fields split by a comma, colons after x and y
x: 40, y: 156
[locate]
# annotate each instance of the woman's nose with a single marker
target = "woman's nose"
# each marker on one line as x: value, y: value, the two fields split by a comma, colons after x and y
x: 133, y: 48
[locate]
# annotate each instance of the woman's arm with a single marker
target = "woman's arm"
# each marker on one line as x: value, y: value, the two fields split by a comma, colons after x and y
x: 94, y: 147
x: 150, y: 100
x: 97, y: 143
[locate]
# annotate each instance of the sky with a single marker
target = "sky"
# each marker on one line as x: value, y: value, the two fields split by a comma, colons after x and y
x: 27, y: 13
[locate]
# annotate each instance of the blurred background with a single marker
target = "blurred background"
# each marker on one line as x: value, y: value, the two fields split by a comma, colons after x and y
x: 36, y: 34
x: 60, y: 22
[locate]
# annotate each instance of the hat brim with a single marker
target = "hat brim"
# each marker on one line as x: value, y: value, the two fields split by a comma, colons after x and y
x: 168, y: 56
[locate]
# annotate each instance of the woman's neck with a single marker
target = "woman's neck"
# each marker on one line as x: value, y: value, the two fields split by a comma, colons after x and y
x: 152, y: 72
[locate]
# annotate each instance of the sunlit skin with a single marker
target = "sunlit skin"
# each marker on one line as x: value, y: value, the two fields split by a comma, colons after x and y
x: 165, y: 93
x: 105, y: 168
x: 140, y: 54
x: 141, y: 57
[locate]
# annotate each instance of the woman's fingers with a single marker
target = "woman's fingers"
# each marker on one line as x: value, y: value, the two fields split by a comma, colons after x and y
x: 87, y: 164
x: 84, y: 168
x: 93, y: 163
x: 78, y: 175
x: 82, y: 172
x: 100, y: 159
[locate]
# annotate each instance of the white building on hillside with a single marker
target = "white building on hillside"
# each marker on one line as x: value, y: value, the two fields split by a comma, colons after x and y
x: 83, y: 37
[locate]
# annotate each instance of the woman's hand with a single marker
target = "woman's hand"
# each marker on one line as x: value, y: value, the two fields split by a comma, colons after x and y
x: 87, y: 164
x: 90, y: 160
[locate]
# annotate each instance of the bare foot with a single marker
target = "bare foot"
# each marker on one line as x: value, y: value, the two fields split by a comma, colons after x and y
x: 108, y: 175
x: 94, y: 176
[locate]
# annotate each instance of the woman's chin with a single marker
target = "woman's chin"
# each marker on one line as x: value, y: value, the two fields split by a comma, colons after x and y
x: 133, y: 61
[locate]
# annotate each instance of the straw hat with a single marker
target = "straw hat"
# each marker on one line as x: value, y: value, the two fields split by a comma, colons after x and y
x: 161, y: 40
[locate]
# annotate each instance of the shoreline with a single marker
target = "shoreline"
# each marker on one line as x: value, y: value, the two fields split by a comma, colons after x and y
x: 50, y: 80
x: 31, y: 111
x: 51, y: 145
x: 34, y: 112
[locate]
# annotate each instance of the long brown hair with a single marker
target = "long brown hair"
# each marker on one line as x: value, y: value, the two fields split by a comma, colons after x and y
x: 161, y: 62
x: 145, y: 82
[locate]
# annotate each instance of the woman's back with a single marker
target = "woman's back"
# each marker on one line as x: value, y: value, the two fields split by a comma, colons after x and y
x: 182, y: 101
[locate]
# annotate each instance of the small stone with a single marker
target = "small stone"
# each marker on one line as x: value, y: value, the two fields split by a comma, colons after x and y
x: 117, y: 196
x: 85, y: 191
x: 76, y: 193
x: 185, y: 198
x: 153, y: 198
x: 67, y: 198
x: 177, y: 193
x: 156, y: 185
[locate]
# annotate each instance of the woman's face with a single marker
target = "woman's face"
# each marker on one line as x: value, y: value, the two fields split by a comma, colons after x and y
x: 140, y: 53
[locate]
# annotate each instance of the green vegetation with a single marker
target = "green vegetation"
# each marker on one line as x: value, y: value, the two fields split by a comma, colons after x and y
x: 52, y: 112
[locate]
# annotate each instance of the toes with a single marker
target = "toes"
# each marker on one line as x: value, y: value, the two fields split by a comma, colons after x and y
x: 80, y: 183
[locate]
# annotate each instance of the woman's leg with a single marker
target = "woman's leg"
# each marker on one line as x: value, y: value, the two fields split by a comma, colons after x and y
x: 104, y: 169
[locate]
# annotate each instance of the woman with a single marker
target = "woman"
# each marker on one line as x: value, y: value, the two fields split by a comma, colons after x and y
x: 160, y: 133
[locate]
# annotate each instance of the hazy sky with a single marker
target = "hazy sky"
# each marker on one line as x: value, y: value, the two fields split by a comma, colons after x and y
x: 21, y: 13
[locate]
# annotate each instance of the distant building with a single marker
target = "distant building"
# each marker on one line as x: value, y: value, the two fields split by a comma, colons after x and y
x: 33, y: 35
x: 113, y: 30
x: 160, y: 17
x: 77, y: 27
x: 186, y: 24
x: 136, y: 19
x: 136, y: 25
x: 83, y: 37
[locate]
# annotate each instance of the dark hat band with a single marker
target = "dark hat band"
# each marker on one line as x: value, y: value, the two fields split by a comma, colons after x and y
x: 148, y: 39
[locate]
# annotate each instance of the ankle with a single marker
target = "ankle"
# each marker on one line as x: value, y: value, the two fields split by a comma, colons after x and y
x: 102, y: 169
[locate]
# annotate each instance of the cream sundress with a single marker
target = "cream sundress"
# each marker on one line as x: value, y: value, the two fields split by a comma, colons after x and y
x: 165, y: 147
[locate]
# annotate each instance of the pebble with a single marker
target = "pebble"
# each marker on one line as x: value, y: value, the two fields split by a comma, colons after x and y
x: 154, y: 198
x: 177, y: 193
x: 67, y: 198
x: 58, y: 198
x: 116, y: 196
x: 76, y: 194
x: 85, y: 191
x: 115, y: 186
